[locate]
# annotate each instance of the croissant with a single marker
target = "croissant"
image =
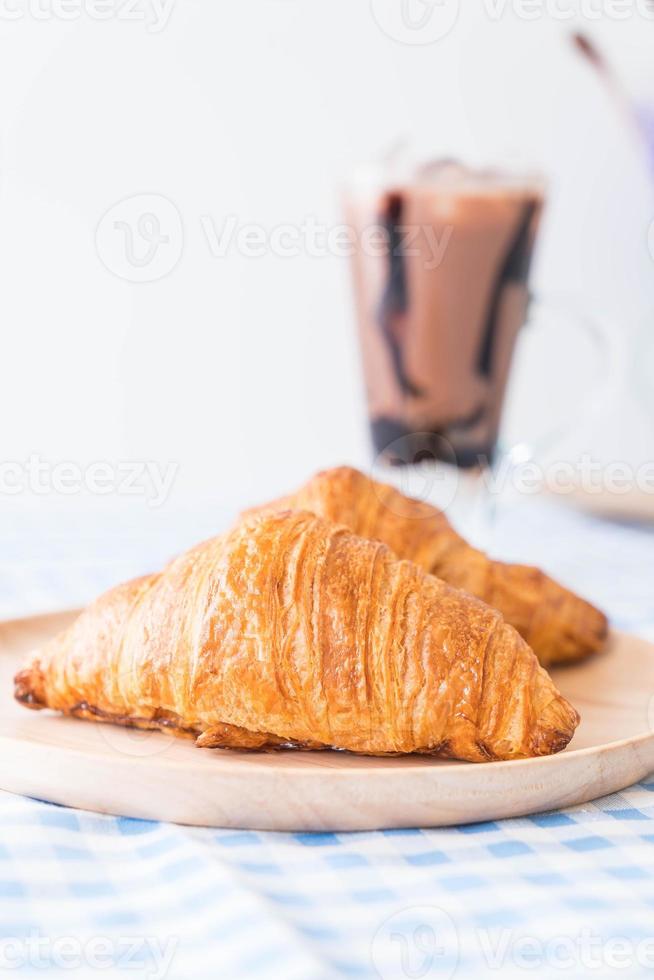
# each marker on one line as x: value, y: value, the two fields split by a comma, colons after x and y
x: 292, y: 631
x: 557, y: 624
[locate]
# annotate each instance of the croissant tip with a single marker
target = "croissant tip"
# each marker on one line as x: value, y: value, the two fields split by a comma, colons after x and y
x: 603, y: 630
x: 586, y: 639
x: 25, y: 689
x: 597, y: 630
x: 556, y: 726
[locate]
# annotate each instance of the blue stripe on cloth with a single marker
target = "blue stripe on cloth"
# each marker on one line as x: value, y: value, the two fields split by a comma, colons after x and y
x: 129, y: 826
x: 509, y: 848
x: 627, y: 814
x: 552, y: 820
x: 629, y: 872
x: 92, y: 889
x: 317, y: 840
x: 12, y: 889
x: 479, y: 828
x: 240, y: 839
x: 593, y: 843
x: 59, y: 817
x: 425, y: 858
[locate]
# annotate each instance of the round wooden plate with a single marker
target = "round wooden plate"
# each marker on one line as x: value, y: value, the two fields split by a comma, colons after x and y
x: 159, y: 777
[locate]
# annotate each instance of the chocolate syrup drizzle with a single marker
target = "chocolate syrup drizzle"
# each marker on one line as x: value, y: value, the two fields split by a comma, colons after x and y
x: 394, y: 302
x: 410, y: 447
x: 515, y: 268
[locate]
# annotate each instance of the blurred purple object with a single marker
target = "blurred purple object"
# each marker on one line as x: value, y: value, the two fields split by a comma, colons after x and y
x: 642, y: 116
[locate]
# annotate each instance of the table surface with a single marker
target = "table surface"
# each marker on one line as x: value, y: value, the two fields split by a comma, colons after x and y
x: 560, y: 894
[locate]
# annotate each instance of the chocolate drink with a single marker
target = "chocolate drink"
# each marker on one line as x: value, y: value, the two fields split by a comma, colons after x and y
x: 441, y: 296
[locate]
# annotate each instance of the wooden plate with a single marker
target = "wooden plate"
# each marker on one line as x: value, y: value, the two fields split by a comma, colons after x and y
x: 633, y: 506
x: 150, y: 775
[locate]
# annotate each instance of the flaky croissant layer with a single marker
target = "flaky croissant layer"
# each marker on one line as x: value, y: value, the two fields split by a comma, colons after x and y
x: 293, y: 630
x: 558, y: 625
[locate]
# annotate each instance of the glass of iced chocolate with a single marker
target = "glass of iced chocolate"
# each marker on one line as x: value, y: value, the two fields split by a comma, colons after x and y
x: 441, y: 263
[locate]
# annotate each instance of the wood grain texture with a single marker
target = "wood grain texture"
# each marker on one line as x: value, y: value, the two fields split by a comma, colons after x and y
x: 154, y: 776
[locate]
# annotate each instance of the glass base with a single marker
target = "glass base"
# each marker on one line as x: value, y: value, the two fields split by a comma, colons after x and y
x: 401, y: 447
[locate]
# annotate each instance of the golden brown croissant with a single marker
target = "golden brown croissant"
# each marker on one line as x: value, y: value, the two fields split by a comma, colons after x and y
x: 292, y: 630
x: 556, y: 623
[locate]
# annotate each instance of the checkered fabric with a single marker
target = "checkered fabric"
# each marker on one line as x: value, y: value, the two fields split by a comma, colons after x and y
x: 560, y: 894
x: 565, y: 894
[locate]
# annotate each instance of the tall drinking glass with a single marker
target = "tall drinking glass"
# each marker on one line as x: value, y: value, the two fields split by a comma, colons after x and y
x: 441, y: 270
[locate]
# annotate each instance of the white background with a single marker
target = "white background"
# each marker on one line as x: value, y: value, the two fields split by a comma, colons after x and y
x: 244, y: 370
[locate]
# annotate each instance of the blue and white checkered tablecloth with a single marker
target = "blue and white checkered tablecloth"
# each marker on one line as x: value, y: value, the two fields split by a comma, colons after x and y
x: 570, y: 893
x: 566, y: 894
